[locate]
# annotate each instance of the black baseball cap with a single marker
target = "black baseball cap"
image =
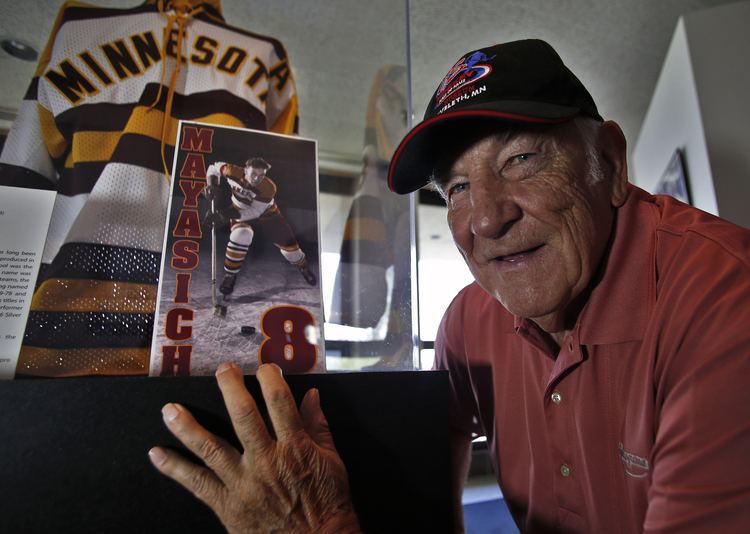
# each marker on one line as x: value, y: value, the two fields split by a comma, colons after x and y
x: 520, y: 81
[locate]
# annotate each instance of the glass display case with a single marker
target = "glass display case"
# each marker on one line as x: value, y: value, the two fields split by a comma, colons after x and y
x: 349, y: 63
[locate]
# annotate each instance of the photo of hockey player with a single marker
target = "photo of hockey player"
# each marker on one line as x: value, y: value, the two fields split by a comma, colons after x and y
x: 253, y: 206
x: 239, y: 278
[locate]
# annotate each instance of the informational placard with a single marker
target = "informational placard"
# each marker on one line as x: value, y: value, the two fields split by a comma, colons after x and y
x: 240, y: 272
x: 24, y: 220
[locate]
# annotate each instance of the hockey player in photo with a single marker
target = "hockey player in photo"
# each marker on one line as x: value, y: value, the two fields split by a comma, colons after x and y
x: 253, y: 207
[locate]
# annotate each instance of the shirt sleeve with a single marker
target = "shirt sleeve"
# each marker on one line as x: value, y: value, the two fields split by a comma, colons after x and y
x: 451, y: 355
x: 701, y: 456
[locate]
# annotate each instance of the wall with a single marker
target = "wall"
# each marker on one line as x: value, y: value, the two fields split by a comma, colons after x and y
x: 700, y: 105
x: 719, y: 45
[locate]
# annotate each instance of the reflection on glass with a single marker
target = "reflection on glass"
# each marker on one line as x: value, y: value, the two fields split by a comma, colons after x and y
x: 371, y: 301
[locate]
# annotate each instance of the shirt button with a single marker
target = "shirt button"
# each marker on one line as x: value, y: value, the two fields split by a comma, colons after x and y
x: 565, y: 470
x: 556, y: 397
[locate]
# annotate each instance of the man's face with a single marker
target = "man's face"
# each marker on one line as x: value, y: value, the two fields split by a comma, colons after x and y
x: 254, y: 175
x: 527, y: 219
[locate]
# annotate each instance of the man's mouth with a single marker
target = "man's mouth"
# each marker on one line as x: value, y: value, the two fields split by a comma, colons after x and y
x: 518, y: 256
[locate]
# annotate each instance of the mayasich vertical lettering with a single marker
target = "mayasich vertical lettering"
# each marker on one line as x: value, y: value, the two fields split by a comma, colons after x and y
x: 185, y: 253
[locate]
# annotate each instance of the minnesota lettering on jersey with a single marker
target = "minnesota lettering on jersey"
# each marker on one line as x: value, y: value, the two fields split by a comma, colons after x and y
x: 78, y: 77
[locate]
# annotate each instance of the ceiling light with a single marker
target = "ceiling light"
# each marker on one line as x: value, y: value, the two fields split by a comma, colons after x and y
x: 19, y: 49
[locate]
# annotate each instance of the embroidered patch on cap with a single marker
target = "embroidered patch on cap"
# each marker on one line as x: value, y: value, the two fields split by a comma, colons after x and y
x: 466, y: 72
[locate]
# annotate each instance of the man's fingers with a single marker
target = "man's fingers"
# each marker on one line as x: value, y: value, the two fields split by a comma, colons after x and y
x: 314, y: 420
x: 216, y: 453
x: 281, y: 406
x: 198, y: 480
x: 243, y: 411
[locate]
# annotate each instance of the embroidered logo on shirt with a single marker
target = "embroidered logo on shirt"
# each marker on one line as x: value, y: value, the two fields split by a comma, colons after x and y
x: 635, y: 466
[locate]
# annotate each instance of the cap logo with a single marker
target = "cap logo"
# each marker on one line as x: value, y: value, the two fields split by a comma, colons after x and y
x: 466, y: 72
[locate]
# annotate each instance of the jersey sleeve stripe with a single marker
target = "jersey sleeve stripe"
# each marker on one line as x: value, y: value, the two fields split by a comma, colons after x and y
x: 73, y: 295
x: 33, y: 89
x: 367, y: 229
x: 363, y: 252
x: 53, y: 138
x: 37, y: 361
x: 105, y: 262
x: 70, y: 330
x: 287, y: 121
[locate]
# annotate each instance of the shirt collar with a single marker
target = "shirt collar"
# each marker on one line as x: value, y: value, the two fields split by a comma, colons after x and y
x: 621, y: 302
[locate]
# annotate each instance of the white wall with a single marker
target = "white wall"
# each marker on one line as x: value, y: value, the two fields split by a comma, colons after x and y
x: 673, y: 120
x: 701, y: 106
x: 720, y: 49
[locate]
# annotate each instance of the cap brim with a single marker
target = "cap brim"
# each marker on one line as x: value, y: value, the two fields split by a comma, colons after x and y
x: 414, y: 158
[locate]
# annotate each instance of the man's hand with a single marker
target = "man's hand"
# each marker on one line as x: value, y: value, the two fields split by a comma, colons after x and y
x: 215, y: 218
x: 210, y: 192
x: 294, y: 483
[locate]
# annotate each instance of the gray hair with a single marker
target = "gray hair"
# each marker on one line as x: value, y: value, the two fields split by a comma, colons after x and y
x: 589, y: 130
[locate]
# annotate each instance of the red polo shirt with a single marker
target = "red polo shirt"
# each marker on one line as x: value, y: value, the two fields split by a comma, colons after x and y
x: 641, y: 422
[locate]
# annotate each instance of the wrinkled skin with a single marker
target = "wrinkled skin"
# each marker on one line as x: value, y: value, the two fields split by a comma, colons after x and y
x: 294, y: 483
x: 527, y: 219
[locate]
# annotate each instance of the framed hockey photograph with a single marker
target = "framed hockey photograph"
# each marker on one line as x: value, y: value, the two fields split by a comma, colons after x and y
x: 240, y: 269
x: 673, y: 180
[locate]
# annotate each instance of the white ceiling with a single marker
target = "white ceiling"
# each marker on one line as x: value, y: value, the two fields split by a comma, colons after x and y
x: 336, y: 46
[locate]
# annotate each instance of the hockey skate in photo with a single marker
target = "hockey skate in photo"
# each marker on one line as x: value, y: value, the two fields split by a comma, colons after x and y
x: 240, y: 269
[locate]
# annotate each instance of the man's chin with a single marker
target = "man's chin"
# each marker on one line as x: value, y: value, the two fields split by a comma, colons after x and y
x: 528, y: 306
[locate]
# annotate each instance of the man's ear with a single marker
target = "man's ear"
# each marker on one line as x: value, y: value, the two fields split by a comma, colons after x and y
x: 613, y: 148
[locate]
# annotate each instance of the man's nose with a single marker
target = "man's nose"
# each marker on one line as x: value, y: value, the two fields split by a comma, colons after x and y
x: 493, y: 211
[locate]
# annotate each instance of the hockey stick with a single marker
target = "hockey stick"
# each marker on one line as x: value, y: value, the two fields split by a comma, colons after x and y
x: 220, y: 310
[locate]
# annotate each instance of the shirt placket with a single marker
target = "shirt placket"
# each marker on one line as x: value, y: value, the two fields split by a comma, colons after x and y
x: 559, y: 405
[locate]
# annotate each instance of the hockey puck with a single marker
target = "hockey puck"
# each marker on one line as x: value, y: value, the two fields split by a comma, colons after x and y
x: 247, y: 330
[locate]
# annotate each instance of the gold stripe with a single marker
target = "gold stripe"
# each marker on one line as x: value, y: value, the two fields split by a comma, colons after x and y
x: 147, y: 121
x: 232, y: 264
x: 71, y: 295
x: 285, y: 122
x: 99, y: 146
x: 92, y: 146
x: 53, y: 139
x: 235, y: 255
x: 365, y: 228
x: 37, y: 361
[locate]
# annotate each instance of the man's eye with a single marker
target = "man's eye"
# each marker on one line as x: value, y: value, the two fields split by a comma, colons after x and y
x: 457, y: 188
x: 520, y: 158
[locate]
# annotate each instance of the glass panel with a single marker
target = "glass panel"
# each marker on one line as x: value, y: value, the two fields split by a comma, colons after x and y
x: 348, y: 60
x: 442, y: 271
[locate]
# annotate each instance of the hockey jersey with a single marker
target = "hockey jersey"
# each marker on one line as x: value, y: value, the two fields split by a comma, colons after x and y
x: 97, y: 124
x: 376, y: 234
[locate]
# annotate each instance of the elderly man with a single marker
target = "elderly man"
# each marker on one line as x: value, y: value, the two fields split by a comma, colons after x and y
x: 604, y: 349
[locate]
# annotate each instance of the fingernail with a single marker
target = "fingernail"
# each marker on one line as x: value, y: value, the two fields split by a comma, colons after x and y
x: 224, y: 367
x: 157, y: 456
x: 271, y: 366
x: 169, y: 412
